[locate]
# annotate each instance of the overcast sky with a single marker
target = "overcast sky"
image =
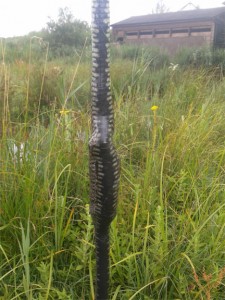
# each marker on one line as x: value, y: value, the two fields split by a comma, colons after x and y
x: 19, y: 17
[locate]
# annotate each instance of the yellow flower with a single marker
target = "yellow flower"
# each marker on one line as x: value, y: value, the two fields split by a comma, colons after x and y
x: 154, y: 107
x: 64, y: 112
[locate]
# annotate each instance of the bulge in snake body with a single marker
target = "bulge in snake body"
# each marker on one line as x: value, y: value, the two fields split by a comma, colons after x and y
x: 104, y: 173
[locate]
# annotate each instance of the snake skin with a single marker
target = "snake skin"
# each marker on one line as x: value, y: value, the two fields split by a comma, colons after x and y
x: 104, y: 162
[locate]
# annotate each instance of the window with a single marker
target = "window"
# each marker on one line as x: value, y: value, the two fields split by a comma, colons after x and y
x: 199, y: 29
x: 180, y: 30
x: 146, y: 33
x: 131, y: 33
x: 162, y: 32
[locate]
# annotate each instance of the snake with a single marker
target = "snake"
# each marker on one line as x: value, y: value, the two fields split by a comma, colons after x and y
x: 104, y: 165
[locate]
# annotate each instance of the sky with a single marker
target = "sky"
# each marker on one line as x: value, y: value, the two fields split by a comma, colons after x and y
x: 19, y: 17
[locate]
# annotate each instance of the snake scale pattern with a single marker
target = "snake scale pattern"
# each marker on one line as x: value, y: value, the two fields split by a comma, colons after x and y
x: 103, y: 161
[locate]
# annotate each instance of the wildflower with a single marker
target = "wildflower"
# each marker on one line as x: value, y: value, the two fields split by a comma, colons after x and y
x: 154, y: 107
x: 173, y: 67
x: 64, y: 112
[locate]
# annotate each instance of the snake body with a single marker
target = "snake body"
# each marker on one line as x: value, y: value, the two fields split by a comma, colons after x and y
x: 103, y: 162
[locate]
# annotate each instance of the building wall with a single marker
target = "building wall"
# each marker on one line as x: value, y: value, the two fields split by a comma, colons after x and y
x: 219, y: 36
x: 169, y: 36
x: 172, y: 45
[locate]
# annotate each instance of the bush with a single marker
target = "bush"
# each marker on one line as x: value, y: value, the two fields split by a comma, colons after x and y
x: 66, y: 34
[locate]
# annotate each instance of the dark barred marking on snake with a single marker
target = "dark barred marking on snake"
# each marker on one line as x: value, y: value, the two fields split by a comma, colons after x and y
x: 104, y: 163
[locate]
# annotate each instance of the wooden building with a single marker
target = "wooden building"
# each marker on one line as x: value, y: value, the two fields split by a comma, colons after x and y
x: 174, y: 30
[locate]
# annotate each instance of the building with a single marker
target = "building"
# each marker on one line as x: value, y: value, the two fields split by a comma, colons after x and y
x: 174, y: 30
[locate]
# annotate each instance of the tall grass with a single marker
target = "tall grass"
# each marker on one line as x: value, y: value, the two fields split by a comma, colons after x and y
x: 168, y: 238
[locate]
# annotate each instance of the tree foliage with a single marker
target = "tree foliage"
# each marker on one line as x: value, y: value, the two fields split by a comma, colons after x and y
x: 67, y: 33
x: 160, y: 8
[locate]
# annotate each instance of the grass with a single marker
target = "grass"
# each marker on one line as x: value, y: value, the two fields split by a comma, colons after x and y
x: 167, y: 241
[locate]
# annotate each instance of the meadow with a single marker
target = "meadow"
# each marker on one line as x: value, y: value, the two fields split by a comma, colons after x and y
x: 168, y: 239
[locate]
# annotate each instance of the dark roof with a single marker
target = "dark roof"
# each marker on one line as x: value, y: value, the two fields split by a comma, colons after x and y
x: 179, y: 16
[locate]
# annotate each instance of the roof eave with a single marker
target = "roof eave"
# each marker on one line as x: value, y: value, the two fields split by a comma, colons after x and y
x: 162, y: 22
